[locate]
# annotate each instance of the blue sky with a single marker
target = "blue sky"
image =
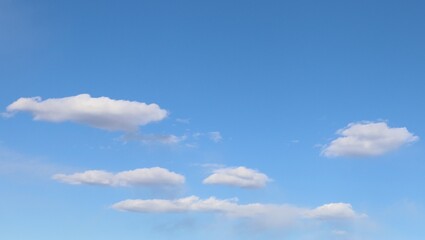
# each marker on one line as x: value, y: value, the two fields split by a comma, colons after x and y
x: 212, y: 119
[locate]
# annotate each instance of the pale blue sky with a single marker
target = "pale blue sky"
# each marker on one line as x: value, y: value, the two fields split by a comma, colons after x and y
x: 272, y: 81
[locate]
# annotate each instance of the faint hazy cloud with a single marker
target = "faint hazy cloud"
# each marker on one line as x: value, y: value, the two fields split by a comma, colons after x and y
x: 212, y: 166
x: 238, y: 176
x: 13, y: 163
x: 6, y: 114
x: 137, y: 177
x: 101, y: 112
x: 368, y: 139
x: 339, y: 232
x: 154, y: 138
x: 215, y: 136
x: 183, y: 120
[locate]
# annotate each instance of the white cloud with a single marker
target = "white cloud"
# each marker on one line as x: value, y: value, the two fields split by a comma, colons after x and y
x: 239, y: 177
x: 271, y: 215
x: 368, y: 139
x: 334, y: 211
x: 215, y: 136
x: 137, y: 177
x: 101, y: 112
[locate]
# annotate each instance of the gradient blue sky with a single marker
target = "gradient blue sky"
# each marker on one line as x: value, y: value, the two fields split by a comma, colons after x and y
x: 276, y: 79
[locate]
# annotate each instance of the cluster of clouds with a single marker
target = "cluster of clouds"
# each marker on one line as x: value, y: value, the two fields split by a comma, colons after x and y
x: 266, y: 215
x: 359, y: 139
x: 232, y: 176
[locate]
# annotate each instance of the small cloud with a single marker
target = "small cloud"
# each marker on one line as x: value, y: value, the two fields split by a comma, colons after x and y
x: 215, y: 136
x: 101, y: 112
x: 238, y: 177
x: 334, y: 211
x: 368, y: 139
x: 137, y: 177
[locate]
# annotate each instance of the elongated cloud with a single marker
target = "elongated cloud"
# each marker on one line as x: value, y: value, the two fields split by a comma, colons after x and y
x: 271, y: 214
x: 137, y: 177
x: 167, y: 139
x: 239, y: 177
x: 101, y: 112
x: 368, y: 139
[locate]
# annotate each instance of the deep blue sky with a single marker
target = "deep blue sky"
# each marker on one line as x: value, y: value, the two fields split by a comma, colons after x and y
x: 277, y: 79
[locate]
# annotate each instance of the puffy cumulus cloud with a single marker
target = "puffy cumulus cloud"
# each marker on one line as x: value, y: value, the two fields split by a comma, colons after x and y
x: 101, y: 112
x: 368, y: 139
x: 271, y: 215
x: 137, y: 177
x: 334, y: 211
x: 239, y: 177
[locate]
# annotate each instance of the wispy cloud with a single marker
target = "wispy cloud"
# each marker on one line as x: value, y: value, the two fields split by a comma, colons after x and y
x: 368, y: 139
x: 138, y: 177
x: 183, y: 120
x: 101, y: 112
x: 16, y: 164
x: 238, y: 177
x: 168, y: 139
x: 190, y: 140
x: 215, y: 136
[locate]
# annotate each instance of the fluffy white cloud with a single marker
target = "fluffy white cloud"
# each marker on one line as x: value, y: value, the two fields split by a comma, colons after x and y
x: 239, y: 177
x: 137, y: 177
x: 334, y: 211
x: 368, y: 139
x: 101, y: 112
x: 272, y: 215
